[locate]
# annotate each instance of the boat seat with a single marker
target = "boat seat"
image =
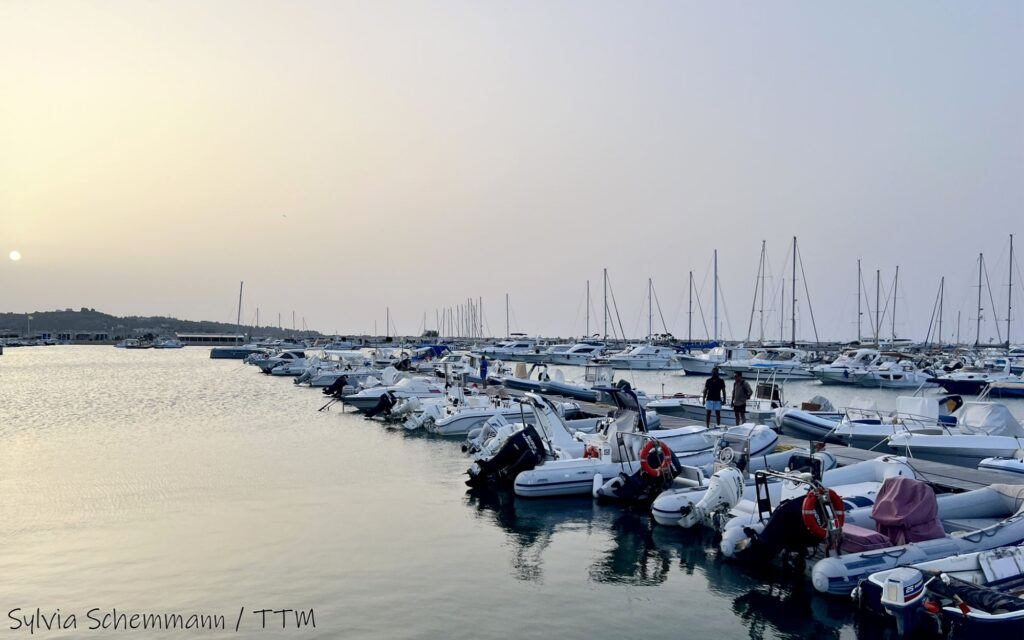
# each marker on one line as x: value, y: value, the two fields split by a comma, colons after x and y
x: 857, y: 539
x: 968, y: 525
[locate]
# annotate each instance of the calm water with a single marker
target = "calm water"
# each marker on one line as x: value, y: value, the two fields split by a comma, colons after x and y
x: 163, y: 481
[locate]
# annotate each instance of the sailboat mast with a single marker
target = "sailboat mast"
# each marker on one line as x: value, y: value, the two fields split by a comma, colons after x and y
x: 238, y: 320
x: 650, y: 311
x: 588, y: 308
x: 977, y: 335
x: 782, y: 312
x: 507, y: 330
x: 689, y: 325
x: 942, y: 295
x: 794, y: 292
x: 1009, y: 297
x: 763, y: 264
x: 606, y: 304
x: 895, y: 290
x: 716, y: 297
x: 878, y: 300
x: 859, y: 314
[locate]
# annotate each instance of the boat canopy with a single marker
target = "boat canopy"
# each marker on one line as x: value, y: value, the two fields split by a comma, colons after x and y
x: 987, y: 418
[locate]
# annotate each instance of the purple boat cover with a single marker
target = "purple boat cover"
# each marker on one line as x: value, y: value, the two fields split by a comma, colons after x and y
x: 906, y: 511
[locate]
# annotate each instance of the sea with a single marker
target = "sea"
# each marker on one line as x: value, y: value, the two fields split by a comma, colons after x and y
x: 137, y: 486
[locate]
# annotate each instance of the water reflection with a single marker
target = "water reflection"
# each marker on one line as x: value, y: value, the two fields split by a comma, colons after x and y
x: 634, y: 558
x: 777, y: 610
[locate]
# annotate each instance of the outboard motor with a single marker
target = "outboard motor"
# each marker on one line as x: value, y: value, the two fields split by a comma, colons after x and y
x: 523, y: 450
x: 384, y: 405
x: 337, y: 387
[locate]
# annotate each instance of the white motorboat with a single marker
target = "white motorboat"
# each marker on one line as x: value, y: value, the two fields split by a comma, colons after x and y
x: 268, y: 362
x: 644, y: 357
x: 1010, y: 466
x: 782, y: 362
x: 368, y: 399
x: 579, y: 354
x: 543, y: 353
x: 840, y: 370
x: 971, y: 380
x: 982, y: 430
x: 702, y: 363
x: 903, y: 374
x: 168, y: 343
x: 509, y: 350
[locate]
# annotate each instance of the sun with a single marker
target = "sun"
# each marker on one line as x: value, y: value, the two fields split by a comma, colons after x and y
x: 14, y: 255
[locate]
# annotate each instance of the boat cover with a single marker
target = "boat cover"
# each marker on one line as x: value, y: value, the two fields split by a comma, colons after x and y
x: 857, y: 539
x: 917, y: 407
x: 906, y: 511
x: 988, y: 418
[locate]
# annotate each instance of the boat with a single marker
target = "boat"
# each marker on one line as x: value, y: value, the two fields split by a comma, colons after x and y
x: 622, y: 446
x: 239, y: 352
x: 840, y: 370
x: 542, y: 354
x: 1006, y: 389
x: 368, y: 399
x: 509, y: 350
x: 644, y: 357
x: 972, y: 380
x: 982, y: 430
x: 703, y: 362
x: 721, y: 486
x: 268, y: 362
x: 901, y: 374
x: 134, y: 343
x: 579, y: 354
x: 967, y: 522
x: 864, y: 426
x: 863, y: 478
x: 1011, y: 466
x: 966, y: 595
x: 168, y: 343
x: 784, y: 363
x: 761, y: 408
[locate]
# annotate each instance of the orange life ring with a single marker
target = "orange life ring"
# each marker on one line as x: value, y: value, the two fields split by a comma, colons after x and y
x: 666, y: 458
x: 810, y: 512
x: 591, y: 451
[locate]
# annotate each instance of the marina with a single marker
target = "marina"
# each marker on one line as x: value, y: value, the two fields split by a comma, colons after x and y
x: 440, y: 319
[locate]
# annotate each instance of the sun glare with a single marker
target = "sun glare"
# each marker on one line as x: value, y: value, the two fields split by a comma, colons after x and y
x: 15, y: 255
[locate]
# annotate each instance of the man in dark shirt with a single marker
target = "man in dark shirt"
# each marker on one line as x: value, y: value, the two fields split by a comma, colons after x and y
x: 714, y: 395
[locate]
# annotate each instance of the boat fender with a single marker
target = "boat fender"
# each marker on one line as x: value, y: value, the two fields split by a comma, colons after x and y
x: 655, y: 458
x: 591, y: 451
x: 810, y: 512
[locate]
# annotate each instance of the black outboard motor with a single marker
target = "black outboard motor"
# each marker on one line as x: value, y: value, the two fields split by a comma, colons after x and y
x: 784, y: 532
x: 522, y: 451
x: 641, y: 487
x: 384, y: 405
x: 337, y: 387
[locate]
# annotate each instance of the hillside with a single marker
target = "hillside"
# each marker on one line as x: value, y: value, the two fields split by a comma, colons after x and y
x: 93, y: 321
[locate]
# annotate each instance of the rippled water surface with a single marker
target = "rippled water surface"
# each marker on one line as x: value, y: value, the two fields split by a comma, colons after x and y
x: 163, y: 481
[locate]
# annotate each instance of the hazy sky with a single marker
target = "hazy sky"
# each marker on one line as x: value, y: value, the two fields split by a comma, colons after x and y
x: 346, y: 157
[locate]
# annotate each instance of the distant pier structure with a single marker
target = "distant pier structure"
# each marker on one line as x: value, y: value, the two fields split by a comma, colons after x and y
x: 211, y: 339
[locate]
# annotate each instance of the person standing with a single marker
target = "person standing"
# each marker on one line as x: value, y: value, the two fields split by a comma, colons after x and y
x: 483, y: 370
x: 713, y: 396
x: 741, y: 392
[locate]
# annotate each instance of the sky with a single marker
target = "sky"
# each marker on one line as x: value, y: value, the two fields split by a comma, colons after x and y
x: 350, y: 159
